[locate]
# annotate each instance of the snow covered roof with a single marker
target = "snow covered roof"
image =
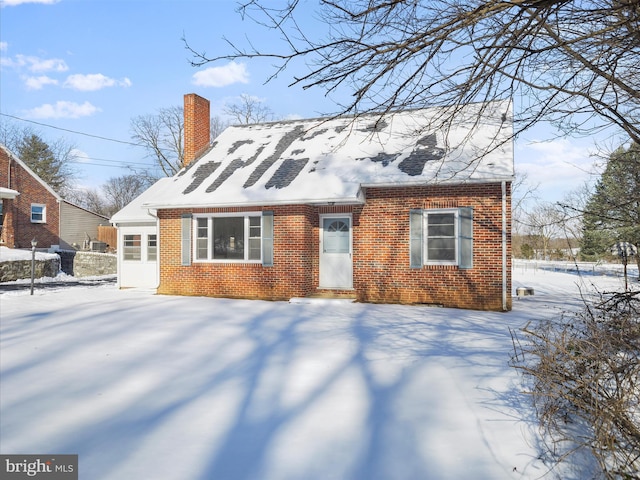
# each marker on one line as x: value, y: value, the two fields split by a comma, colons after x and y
x: 8, y: 193
x: 136, y: 210
x: 331, y: 160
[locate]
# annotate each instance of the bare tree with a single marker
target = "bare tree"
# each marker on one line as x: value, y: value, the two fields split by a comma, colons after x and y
x: 113, y: 195
x: 120, y: 191
x: 522, y: 192
x: 93, y: 199
x: 162, y: 135
x: 574, y: 63
x: 217, y: 126
x: 544, y: 223
x: 249, y: 109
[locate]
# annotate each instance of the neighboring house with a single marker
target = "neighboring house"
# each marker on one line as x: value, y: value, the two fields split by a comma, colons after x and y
x: 32, y: 209
x: 378, y: 209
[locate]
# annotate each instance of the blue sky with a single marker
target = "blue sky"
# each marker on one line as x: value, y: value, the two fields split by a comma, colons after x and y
x: 91, y: 66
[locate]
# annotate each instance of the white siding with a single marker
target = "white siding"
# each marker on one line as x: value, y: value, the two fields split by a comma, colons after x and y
x: 137, y: 273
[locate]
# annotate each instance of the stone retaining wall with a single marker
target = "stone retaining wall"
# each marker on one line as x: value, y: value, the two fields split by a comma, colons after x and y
x: 86, y: 264
x: 77, y: 264
x: 21, y: 269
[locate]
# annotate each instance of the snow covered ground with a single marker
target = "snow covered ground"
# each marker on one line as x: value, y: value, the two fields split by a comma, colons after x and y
x: 158, y: 387
x: 13, y: 254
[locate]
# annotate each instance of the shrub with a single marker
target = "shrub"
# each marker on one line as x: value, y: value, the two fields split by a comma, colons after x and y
x: 584, y: 372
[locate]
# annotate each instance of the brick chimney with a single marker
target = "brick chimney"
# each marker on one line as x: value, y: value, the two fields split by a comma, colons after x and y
x: 197, y: 126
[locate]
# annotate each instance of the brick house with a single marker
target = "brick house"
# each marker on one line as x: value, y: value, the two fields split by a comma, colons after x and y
x: 378, y: 209
x: 32, y: 209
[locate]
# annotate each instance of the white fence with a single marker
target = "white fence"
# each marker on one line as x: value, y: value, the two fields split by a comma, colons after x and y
x: 582, y: 268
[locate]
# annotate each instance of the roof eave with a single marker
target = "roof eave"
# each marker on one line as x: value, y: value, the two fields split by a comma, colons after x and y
x: 432, y: 183
x: 316, y: 201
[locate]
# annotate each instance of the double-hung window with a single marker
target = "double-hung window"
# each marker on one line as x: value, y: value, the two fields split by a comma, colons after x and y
x: 38, y: 213
x: 441, y: 237
x: 228, y: 237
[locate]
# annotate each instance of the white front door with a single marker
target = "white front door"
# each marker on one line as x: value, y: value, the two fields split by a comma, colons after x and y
x: 336, y: 264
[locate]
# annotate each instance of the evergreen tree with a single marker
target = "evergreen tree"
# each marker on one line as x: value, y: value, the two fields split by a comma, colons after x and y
x: 596, y: 238
x: 54, y: 169
x: 613, y: 212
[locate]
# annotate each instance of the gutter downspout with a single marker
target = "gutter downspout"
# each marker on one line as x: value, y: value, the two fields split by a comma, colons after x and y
x: 154, y: 214
x: 504, y: 246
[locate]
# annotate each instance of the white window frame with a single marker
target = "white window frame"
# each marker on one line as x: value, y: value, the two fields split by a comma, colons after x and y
x: 210, y: 217
x: 139, y: 247
x: 44, y: 213
x: 151, y: 248
x: 456, y: 236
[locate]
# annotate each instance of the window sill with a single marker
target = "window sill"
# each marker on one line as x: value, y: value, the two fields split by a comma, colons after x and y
x: 228, y: 262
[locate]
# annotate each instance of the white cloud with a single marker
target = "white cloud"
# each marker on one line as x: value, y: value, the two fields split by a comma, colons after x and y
x: 35, y: 64
x: 557, y: 166
x: 63, y: 109
x: 93, y: 81
x: 13, y: 3
x: 4, y: 46
x: 36, y: 83
x: 229, y: 74
x: 80, y: 156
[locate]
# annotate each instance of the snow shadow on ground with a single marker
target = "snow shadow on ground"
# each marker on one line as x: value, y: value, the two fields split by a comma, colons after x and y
x: 144, y: 386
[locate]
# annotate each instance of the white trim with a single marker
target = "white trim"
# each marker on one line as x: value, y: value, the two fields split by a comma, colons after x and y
x: 425, y: 236
x: 44, y: 212
x: 141, y: 248
x: 266, y: 202
x: 15, y: 158
x: 322, y: 217
x: 148, y: 246
x: 436, y: 182
x: 210, y: 216
x: 138, y: 273
x: 358, y: 199
x: 157, y: 234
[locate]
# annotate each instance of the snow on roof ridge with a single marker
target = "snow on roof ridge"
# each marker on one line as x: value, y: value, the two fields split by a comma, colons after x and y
x: 297, y: 161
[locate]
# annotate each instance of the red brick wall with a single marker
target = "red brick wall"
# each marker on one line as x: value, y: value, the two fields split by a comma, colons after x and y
x: 18, y: 231
x: 380, y: 256
x: 290, y: 276
x: 381, y: 249
x: 197, y: 126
